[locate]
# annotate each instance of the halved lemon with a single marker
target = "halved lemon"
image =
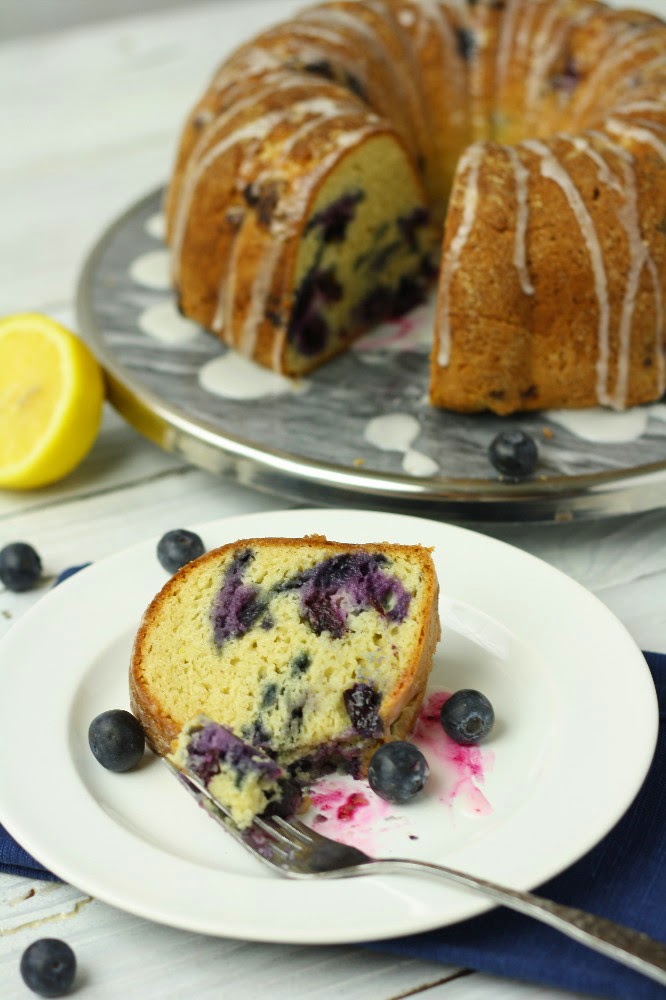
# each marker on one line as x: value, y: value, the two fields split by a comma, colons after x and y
x: 51, y: 396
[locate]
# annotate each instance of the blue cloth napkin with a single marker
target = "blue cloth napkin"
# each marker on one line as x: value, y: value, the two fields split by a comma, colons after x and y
x: 622, y: 878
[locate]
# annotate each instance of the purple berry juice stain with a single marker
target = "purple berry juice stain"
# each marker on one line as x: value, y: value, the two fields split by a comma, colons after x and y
x: 465, y: 766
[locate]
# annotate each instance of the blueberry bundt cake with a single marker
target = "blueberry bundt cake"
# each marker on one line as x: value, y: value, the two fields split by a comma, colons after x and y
x: 313, y: 651
x: 242, y: 778
x: 314, y: 175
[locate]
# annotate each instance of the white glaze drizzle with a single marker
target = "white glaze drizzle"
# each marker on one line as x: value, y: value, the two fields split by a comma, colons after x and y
x: 522, y: 218
x: 254, y: 62
x: 324, y: 109
x: 553, y: 170
x: 470, y: 161
x: 226, y: 289
x: 583, y: 145
x: 505, y: 43
x: 203, y: 116
x: 642, y: 136
x: 524, y: 31
x: 335, y: 22
x: 300, y: 133
x: 640, y: 258
x: 628, y: 82
x: 547, y: 46
x: 638, y: 106
x: 645, y: 136
x: 343, y: 18
x: 626, y: 45
x: 432, y: 11
x: 542, y: 54
x: 259, y: 129
x: 293, y: 208
x: 475, y: 71
x: 234, y: 377
x: 406, y: 17
x: 648, y: 123
x: 327, y: 111
x: 638, y: 253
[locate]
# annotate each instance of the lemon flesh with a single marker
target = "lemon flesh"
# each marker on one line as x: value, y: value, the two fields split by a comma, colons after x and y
x: 51, y: 396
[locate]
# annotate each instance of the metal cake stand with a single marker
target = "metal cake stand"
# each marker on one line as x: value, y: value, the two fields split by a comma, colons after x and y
x: 359, y: 431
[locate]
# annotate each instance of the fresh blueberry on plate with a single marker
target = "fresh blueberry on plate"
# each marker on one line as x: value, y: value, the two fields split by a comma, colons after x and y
x: 20, y: 566
x: 467, y: 716
x: 177, y: 548
x: 397, y: 771
x: 116, y: 740
x: 48, y: 967
x: 514, y: 454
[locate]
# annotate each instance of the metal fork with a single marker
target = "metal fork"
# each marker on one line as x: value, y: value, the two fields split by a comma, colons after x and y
x: 296, y: 851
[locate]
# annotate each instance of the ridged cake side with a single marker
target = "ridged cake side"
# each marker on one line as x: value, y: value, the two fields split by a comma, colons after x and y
x: 552, y: 286
x: 313, y: 650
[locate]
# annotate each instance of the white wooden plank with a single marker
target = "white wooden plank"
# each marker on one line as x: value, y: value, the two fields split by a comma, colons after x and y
x: 124, y: 956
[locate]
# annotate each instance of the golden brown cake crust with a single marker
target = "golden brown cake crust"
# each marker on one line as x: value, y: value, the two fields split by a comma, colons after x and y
x: 398, y: 713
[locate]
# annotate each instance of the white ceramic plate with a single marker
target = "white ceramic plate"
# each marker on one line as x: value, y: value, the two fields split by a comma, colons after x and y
x: 577, y: 723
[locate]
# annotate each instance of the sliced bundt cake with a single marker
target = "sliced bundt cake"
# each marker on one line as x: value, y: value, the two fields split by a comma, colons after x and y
x: 314, y: 651
x: 316, y: 170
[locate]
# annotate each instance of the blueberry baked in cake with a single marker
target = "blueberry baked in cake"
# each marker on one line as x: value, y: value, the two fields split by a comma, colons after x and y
x: 244, y: 779
x: 311, y: 651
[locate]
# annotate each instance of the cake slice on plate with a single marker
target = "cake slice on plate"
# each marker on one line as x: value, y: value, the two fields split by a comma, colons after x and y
x: 315, y: 652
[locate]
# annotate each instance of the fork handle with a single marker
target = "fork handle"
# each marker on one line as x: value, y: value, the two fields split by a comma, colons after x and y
x: 630, y: 947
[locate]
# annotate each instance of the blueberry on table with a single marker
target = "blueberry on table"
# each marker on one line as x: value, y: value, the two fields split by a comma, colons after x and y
x: 467, y: 716
x: 397, y: 771
x: 48, y: 967
x: 177, y: 548
x: 116, y: 740
x: 514, y: 454
x: 20, y: 566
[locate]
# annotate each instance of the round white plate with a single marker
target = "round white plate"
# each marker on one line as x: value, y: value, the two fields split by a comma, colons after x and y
x: 576, y: 729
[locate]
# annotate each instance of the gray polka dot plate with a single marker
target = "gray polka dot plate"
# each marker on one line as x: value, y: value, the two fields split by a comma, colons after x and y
x: 356, y: 432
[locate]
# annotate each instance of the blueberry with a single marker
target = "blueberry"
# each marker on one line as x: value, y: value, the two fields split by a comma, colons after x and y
x: 177, y: 548
x: 48, y: 967
x: 465, y: 43
x: 514, y: 454
x: 116, y: 740
x: 362, y: 702
x: 20, y: 566
x: 467, y: 716
x: 397, y: 771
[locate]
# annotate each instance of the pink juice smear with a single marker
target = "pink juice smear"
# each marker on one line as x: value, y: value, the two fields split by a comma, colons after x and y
x: 395, y: 332
x: 464, y: 766
x: 348, y: 810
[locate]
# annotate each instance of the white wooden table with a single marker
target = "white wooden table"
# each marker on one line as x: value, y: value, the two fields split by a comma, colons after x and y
x: 89, y: 127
